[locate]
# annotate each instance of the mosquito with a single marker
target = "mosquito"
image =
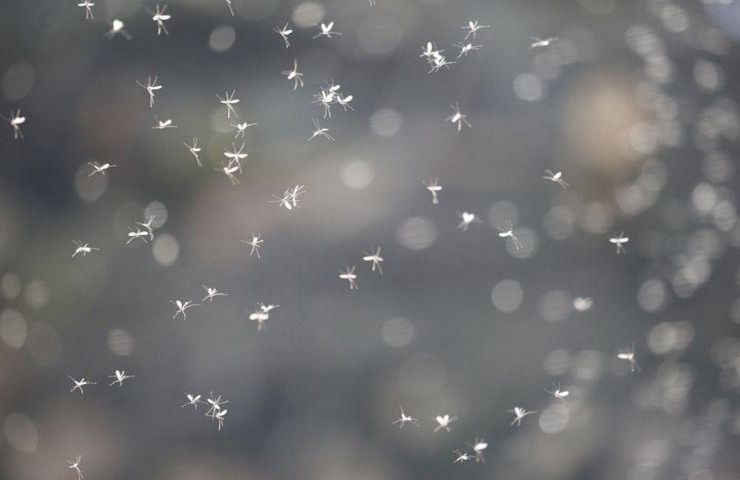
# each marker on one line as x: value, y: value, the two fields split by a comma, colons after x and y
x: 556, y: 177
x: 231, y: 7
x: 472, y: 27
x: 241, y: 128
x: 87, y: 5
x: 284, y: 32
x: 558, y: 393
x: 16, y: 120
x: 631, y: 357
x: 74, y: 464
x: 375, y: 258
x: 195, y: 150
x: 216, y: 404
x: 255, y: 243
x: 404, y: 419
x: 457, y: 117
x: 82, y: 248
x: 478, y: 446
x: 137, y: 233
x: 519, y: 414
x: 326, y: 31
x: 583, y: 304
x: 466, y: 48
x: 219, y: 417
x: 236, y: 155
x: 230, y: 169
x: 434, y: 188
x: 443, y: 422
x: 294, y: 75
x: 212, y: 293
x: 506, y: 230
x: 320, y: 132
x: 118, y: 27
x: 349, y: 274
x: 344, y: 102
x: 261, y: 314
x: 289, y: 200
x: 229, y: 100
x: 151, y: 87
x: 437, y: 62
x: 159, y: 17
x: 148, y: 226
x: 163, y: 124
x: 619, y: 242
x: 181, y: 307
x: 326, y: 97
x: 193, y: 400
x: 429, y: 51
x: 120, y: 376
x: 540, y: 42
x: 98, y: 168
x: 466, y: 219
x: 462, y: 457
x: 79, y: 384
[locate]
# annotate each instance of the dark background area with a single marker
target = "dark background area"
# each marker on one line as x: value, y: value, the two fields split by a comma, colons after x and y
x: 635, y: 104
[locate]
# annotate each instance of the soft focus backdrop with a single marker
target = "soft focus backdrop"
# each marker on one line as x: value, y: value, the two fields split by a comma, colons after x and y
x: 636, y: 104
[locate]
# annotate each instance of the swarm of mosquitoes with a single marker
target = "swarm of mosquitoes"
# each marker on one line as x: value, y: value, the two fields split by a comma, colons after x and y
x: 330, y: 96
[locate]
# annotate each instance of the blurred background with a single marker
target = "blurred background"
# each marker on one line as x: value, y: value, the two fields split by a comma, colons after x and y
x: 636, y: 104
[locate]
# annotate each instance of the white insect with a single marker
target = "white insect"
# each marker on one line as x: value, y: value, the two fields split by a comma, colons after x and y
x: 216, y: 404
x: 231, y: 7
x: 284, y: 32
x: 98, y: 168
x: 294, y: 75
x: 137, y: 233
x: 193, y: 400
x: 349, y: 274
x: 82, y: 248
x: 230, y: 169
x: 434, y: 188
x: 255, y: 243
x: 120, y: 376
x: 289, y: 200
x: 438, y: 61
x: 472, y: 27
x: 443, y: 422
x: 506, y: 230
x: 163, y: 124
x: 261, y: 314
x: 212, y: 293
x: 344, y: 102
x: 461, y: 456
x: 236, y: 155
x: 457, y: 117
x: 87, y: 5
x: 16, y: 120
x: 229, y: 100
x: 78, y: 384
x: 478, y: 446
x: 466, y: 48
x: 241, y: 128
x: 159, y: 17
x: 195, y: 150
x: 404, y: 419
x: 74, y: 464
x: 558, y: 393
x: 117, y: 27
x: 320, y: 132
x: 182, y: 307
x: 148, y: 226
x: 151, y: 87
x: 466, y: 219
x: 619, y: 242
x: 219, y: 417
x: 631, y: 357
x: 519, y: 414
x: 326, y: 97
x: 429, y: 51
x: 326, y: 31
x: 556, y: 177
x: 540, y: 42
x: 583, y: 304
x: 375, y: 258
